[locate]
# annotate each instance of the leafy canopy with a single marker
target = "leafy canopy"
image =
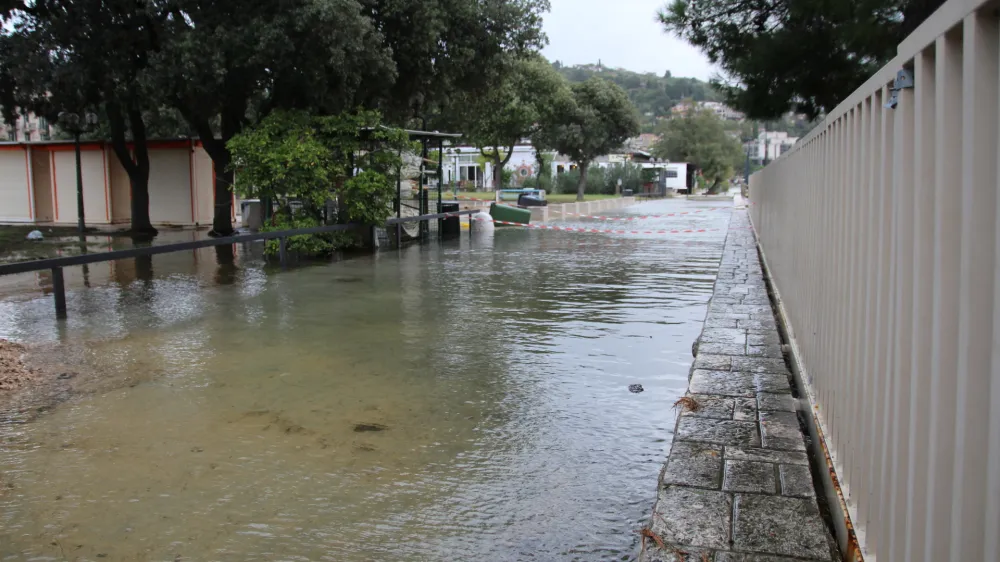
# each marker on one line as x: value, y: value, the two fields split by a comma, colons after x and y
x: 794, y: 55
x: 699, y: 137
x: 595, y: 120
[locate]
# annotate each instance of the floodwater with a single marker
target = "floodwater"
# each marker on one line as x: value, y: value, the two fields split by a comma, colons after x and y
x: 459, y: 400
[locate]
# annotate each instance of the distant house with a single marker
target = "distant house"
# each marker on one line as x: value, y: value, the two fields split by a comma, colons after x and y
x: 769, y: 145
x: 722, y: 110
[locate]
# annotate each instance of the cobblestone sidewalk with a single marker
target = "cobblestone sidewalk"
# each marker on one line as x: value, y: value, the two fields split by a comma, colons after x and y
x: 736, y: 486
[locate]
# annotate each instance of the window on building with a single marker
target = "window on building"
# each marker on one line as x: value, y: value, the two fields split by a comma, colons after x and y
x: 671, y: 173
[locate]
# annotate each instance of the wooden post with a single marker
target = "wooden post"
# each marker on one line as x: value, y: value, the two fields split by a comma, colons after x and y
x: 59, y: 290
x: 283, y: 251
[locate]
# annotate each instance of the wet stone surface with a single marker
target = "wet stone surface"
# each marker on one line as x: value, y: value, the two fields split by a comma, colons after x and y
x: 737, y: 485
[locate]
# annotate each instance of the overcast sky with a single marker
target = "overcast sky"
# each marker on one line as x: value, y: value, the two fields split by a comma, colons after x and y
x: 621, y: 33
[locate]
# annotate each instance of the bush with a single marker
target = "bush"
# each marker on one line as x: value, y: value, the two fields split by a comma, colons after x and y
x: 305, y: 245
x: 544, y: 183
x: 630, y: 174
x: 596, y: 182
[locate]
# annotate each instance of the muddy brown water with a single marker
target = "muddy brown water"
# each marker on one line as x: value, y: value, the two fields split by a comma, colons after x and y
x: 460, y: 400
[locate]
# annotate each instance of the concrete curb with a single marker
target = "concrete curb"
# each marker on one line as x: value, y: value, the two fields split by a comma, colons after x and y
x: 736, y: 486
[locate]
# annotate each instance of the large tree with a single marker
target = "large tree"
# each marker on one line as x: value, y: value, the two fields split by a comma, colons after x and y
x: 227, y: 64
x: 513, y: 110
x: 81, y: 56
x: 240, y: 60
x: 699, y: 137
x: 794, y: 55
x: 594, y: 120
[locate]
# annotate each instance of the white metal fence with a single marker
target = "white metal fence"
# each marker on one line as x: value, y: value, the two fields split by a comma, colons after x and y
x: 880, y: 231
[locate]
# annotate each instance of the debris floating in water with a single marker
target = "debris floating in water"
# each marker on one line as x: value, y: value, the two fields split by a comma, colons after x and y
x: 35, y: 235
x: 365, y: 427
x: 635, y: 388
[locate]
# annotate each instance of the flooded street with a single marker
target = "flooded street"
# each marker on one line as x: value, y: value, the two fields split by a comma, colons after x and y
x: 459, y: 400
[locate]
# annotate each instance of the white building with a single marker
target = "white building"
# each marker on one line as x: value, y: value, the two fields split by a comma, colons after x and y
x: 467, y: 166
x: 720, y: 109
x: 769, y: 145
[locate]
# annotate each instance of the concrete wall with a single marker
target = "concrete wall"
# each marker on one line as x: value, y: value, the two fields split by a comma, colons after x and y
x: 16, y: 200
x: 38, y: 184
x: 96, y: 203
x: 170, y: 187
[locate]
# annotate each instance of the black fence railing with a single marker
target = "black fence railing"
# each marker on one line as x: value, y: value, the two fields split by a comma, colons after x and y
x: 56, y: 265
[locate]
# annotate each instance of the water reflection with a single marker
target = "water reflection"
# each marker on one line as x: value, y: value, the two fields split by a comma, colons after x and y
x: 223, y: 423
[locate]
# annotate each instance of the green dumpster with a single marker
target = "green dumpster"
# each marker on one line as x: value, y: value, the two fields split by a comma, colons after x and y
x: 510, y: 214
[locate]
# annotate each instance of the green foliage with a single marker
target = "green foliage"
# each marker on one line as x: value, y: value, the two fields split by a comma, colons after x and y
x: 596, y: 182
x: 305, y: 245
x: 295, y: 157
x: 595, y: 120
x: 496, y: 120
x: 700, y: 138
x: 543, y: 182
x: 652, y: 95
x: 801, y: 55
x: 630, y: 174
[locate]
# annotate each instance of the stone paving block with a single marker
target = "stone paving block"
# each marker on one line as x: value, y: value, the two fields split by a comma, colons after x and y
x: 721, y: 323
x: 753, y: 477
x: 769, y: 350
x: 759, y: 365
x: 771, y: 382
x: 714, y: 313
x: 694, y: 464
x: 796, y: 480
x: 691, y: 516
x: 754, y: 310
x: 779, y: 525
x: 743, y: 557
x: 713, y: 362
x: 720, y: 432
x: 766, y: 455
x: 724, y: 383
x: 675, y: 553
x: 763, y: 326
x: 715, y: 407
x: 763, y: 339
x: 745, y: 409
x: 780, y: 430
x: 722, y: 348
x: 770, y: 402
x: 724, y: 335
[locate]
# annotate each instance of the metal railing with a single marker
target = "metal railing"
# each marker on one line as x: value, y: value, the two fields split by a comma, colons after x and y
x: 880, y: 233
x: 56, y: 265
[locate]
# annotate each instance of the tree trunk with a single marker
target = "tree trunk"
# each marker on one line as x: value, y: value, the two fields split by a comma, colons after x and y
x: 136, y: 167
x: 222, y: 216
x: 581, y: 187
x: 497, y: 172
x: 222, y: 220
x: 715, y: 187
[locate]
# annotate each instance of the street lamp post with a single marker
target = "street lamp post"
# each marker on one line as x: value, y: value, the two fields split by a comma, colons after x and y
x: 76, y: 123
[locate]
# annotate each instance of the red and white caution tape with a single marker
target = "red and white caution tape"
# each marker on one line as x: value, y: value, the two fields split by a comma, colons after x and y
x: 607, y: 231
x: 639, y: 217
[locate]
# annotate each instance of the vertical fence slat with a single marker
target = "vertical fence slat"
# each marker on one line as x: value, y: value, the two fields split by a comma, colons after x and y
x: 923, y: 275
x: 902, y: 205
x: 975, y: 337
x: 944, y: 299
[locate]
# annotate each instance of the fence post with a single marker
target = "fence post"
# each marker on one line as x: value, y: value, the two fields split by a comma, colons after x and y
x: 283, y: 251
x: 59, y: 290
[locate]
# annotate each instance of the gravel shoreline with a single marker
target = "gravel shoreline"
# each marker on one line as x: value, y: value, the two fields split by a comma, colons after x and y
x: 14, y: 374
